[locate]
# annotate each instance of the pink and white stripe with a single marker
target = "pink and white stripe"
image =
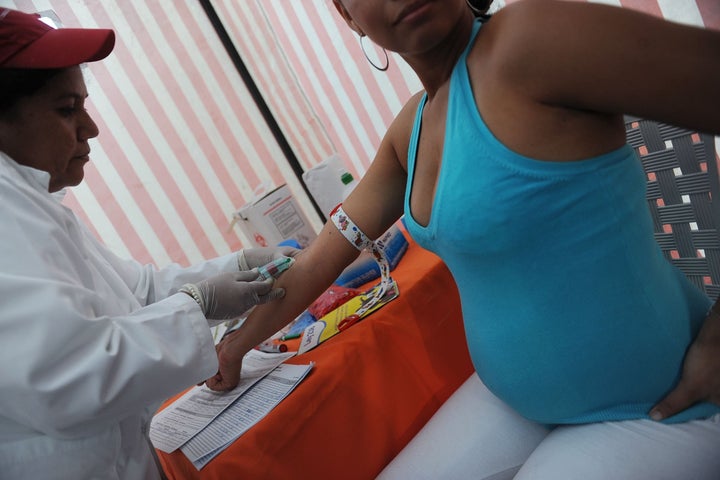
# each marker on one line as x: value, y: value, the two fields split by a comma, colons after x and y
x: 182, y: 143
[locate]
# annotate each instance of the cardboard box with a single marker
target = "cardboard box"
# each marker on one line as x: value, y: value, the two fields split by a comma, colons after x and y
x: 274, y: 217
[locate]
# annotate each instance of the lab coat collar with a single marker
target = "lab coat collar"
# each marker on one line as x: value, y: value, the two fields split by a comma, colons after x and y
x: 38, y: 179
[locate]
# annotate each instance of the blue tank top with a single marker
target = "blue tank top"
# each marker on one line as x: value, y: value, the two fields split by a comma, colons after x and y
x: 571, y: 312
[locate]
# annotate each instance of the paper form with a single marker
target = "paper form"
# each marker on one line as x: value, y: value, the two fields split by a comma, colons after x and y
x: 244, y: 413
x: 192, y: 412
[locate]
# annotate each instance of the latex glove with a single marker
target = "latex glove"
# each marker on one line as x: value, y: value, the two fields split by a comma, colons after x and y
x: 250, y: 258
x: 700, y: 378
x: 230, y: 295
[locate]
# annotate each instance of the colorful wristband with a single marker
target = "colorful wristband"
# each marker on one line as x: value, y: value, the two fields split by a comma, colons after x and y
x: 359, y: 240
x: 349, y: 230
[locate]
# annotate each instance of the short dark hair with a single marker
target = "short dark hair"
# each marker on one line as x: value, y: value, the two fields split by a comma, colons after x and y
x: 16, y: 83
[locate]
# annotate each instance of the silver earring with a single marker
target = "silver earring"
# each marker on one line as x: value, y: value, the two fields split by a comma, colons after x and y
x: 387, y: 61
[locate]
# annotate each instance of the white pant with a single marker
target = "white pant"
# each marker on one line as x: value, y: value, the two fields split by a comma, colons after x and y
x: 476, y: 436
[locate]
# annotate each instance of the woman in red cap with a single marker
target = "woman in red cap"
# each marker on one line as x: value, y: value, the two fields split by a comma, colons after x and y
x: 90, y: 343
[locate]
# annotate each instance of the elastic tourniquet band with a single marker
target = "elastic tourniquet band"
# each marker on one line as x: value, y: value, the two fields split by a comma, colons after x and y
x: 359, y: 240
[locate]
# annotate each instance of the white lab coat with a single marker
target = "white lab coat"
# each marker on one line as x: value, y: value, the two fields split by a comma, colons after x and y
x: 90, y: 344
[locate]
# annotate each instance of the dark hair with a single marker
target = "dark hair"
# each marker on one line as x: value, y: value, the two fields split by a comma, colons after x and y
x: 16, y: 83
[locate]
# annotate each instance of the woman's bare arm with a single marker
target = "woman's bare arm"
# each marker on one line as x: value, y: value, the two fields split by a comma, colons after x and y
x: 611, y: 60
x: 375, y: 203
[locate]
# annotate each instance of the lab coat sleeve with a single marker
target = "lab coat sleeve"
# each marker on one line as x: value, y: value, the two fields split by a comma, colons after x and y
x: 150, y: 284
x: 83, y: 347
x: 67, y: 374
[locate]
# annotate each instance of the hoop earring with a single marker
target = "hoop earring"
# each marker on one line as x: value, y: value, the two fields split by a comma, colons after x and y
x: 474, y: 9
x: 387, y: 61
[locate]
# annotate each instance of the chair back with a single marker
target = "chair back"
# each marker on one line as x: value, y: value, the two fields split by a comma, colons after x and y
x: 683, y: 193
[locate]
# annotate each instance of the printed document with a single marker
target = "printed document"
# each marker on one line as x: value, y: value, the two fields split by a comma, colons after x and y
x: 192, y: 412
x: 249, y: 409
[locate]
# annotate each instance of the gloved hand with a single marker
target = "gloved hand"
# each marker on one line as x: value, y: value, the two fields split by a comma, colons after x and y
x: 230, y: 295
x: 250, y: 258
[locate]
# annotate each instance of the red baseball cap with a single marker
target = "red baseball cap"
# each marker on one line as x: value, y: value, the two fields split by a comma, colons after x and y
x: 28, y: 42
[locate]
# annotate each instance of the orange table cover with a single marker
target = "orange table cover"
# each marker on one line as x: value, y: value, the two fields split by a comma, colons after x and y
x: 372, y: 388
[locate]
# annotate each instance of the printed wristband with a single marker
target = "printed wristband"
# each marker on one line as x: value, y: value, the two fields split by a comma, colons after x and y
x: 349, y: 230
x: 359, y: 240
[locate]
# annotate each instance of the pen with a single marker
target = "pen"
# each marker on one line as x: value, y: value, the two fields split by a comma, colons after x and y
x: 271, y: 347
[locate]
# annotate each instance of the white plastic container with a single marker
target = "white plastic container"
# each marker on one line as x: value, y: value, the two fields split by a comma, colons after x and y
x: 329, y: 183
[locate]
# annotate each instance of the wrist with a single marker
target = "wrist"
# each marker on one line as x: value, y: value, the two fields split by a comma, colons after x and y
x: 242, y: 261
x: 194, y: 293
x: 715, y: 308
x: 235, y: 345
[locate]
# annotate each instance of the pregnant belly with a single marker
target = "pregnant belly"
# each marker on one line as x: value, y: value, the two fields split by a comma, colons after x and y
x: 569, y: 380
